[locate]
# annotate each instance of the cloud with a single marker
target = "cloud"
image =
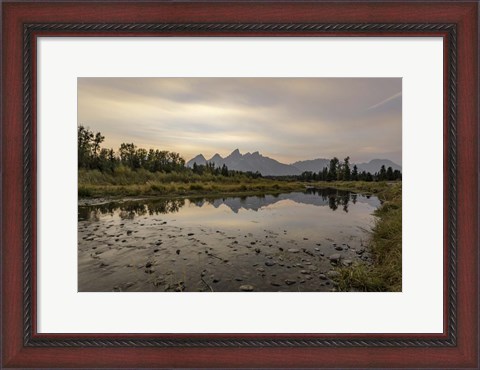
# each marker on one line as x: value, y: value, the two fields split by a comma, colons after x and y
x: 287, y: 118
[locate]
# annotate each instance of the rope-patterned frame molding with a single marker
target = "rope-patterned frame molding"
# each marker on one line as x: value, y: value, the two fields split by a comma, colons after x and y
x: 277, y: 29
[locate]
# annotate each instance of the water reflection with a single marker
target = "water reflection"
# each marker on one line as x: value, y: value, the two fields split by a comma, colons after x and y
x: 270, y: 242
x: 332, y: 198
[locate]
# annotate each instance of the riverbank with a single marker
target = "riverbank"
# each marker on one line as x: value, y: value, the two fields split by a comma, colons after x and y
x: 94, y: 184
x: 385, y: 274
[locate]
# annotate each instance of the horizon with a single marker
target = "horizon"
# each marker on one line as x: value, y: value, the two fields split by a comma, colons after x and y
x: 287, y: 119
x: 207, y: 158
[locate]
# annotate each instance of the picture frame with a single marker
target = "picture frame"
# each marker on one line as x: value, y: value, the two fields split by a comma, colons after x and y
x: 24, y: 22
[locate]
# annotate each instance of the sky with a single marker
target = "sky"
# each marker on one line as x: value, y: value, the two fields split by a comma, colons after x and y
x: 288, y: 119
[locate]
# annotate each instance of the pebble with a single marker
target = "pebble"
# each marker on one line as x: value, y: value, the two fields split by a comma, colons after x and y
x: 347, y: 262
x: 269, y: 263
x: 294, y: 250
x: 246, y: 288
x: 322, y: 276
x: 334, y: 257
x: 333, y: 274
x: 290, y: 282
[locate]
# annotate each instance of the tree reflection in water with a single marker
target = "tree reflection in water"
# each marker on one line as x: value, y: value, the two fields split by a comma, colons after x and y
x: 128, y: 210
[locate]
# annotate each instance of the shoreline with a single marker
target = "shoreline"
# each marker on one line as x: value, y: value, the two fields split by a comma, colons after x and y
x: 385, y: 274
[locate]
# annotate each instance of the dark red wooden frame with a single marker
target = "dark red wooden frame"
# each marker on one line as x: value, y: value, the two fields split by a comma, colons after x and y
x: 15, y: 354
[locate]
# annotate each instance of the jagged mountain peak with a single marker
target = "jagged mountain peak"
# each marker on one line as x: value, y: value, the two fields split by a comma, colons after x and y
x: 270, y: 167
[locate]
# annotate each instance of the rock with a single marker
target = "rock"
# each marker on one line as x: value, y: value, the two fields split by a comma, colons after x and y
x: 269, y: 263
x: 293, y: 250
x: 190, y: 234
x: 305, y: 272
x: 261, y: 269
x: 216, y: 280
x: 274, y: 283
x: 178, y: 251
x: 333, y: 274
x: 257, y: 250
x: 246, y: 288
x: 347, y: 262
x: 338, y: 248
x: 238, y: 279
x: 322, y: 276
x: 334, y: 257
x: 290, y: 282
x: 317, y: 249
x: 149, y: 264
x: 149, y: 271
x: 129, y: 232
x: 360, y: 251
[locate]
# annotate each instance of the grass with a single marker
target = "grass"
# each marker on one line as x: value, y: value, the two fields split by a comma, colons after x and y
x: 385, y: 274
x: 126, y: 183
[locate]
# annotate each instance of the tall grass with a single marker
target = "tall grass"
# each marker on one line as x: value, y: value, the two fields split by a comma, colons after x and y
x: 125, y: 182
x: 385, y: 274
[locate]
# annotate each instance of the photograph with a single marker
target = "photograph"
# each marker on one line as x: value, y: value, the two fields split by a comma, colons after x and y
x: 232, y: 184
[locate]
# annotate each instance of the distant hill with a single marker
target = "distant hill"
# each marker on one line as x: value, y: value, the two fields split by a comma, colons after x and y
x: 314, y: 165
x: 270, y: 167
x: 199, y: 159
x: 249, y: 162
x: 375, y: 164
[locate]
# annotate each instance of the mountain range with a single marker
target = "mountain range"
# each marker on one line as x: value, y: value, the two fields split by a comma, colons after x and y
x: 270, y: 167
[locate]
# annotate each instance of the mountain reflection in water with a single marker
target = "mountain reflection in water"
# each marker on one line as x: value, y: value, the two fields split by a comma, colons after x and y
x: 224, y: 244
x: 334, y: 199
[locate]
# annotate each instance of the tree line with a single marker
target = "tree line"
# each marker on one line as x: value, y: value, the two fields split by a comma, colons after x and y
x: 92, y: 156
x: 342, y: 171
